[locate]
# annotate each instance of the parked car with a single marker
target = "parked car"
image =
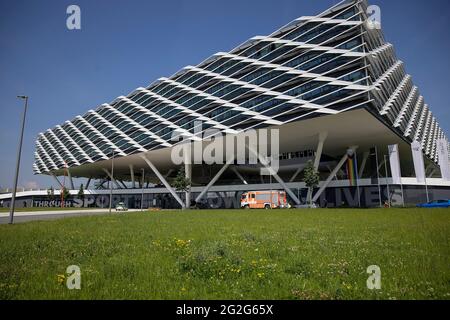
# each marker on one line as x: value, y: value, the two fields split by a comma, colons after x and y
x: 307, y: 206
x: 121, y: 207
x: 435, y: 204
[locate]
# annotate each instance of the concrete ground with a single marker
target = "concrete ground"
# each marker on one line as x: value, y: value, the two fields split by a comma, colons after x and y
x: 51, y: 215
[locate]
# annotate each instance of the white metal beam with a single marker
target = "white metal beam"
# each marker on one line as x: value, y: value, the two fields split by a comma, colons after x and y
x: 123, y: 184
x: 133, y: 181
x: 72, y: 187
x: 188, y: 175
x: 163, y: 180
x: 300, y: 169
x: 363, y: 164
x: 322, y: 137
x: 112, y: 179
x: 239, y: 175
x: 57, y: 180
x: 216, y: 177
x: 332, y: 174
x: 88, y: 182
x: 168, y: 173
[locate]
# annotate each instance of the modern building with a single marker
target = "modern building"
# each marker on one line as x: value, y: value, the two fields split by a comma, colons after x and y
x: 329, y: 83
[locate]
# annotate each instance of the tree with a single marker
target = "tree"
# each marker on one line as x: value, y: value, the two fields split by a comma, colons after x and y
x: 66, y: 194
x: 81, y: 194
x: 182, y: 183
x: 51, y: 194
x: 311, y: 179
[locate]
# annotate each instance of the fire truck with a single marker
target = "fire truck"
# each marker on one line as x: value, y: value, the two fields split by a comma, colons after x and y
x: 264, y: 200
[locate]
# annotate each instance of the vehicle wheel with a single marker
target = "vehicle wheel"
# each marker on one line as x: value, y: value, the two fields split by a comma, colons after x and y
x: 246, y: 207
x: 267, y: 207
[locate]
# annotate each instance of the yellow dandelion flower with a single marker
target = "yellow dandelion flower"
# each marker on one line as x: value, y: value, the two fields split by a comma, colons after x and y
x: 60, y: 278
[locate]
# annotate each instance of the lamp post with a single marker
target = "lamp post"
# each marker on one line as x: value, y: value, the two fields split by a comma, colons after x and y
x: 378, y: 175
x: 111, y: 184
x: 387, y: 182
x: 426, y: 183
x: 268, y: 159
x: 271, y: 193
x: 142, y: 189
x: 13, y: 199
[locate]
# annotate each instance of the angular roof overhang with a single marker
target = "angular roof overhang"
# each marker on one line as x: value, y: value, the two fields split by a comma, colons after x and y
x: 358, y: 127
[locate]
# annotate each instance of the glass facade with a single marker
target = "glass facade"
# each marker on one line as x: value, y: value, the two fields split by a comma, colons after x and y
x: 314, y: 66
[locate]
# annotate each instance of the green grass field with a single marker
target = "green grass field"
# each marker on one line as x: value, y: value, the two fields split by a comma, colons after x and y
x: 231, y: 254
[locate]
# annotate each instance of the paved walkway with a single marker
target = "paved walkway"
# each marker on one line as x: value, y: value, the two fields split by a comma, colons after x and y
x: 26, y: 216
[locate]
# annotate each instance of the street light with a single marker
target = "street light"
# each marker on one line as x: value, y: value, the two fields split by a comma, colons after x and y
x: 13, y: 199
x: 111, y: 184
x: 142, y: 187
x: 387, y: 181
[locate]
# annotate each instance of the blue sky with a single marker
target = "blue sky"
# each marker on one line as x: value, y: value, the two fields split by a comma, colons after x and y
x: 126, y: 44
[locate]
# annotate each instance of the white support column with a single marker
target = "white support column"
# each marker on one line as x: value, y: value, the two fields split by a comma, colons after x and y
x: 363, y: 164
x: 275, y: 175
x: 133, y: 181
x: 57, y: 180
x: 72, y: 187
x: 215, y: 178
x: 88, y: 182
x: 322, y: 137
x: 164, y: 181
x: 330, y: 177
x: 111, y: 178
x: 188, y: 172
x: 239, y: 175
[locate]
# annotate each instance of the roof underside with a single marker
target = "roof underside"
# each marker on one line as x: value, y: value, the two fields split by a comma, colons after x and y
x: 343, y: 132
